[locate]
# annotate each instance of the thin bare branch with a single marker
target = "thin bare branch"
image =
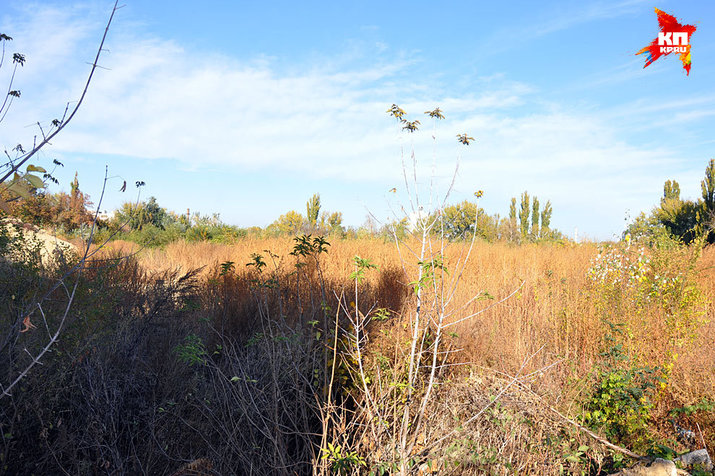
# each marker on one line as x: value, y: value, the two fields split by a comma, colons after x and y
x: 64, y: 123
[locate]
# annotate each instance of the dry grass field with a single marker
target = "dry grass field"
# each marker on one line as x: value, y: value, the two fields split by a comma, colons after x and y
x: 229, y: 355
x: 560, y: 310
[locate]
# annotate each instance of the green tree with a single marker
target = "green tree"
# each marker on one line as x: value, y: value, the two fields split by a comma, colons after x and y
x: 708, y: 186
x: 646, y: 228
x: 398, y: 228
x: 459, y: 220
x: 546, y: 218
x: 680, y: 217
x: 332, y: 223
x: 684, y: 220
x: 535, y: 218
x: 524, y: 215
x: 135, y: 216
x: 671, y: 191
x: 127, y: 215
x: 290, y: 223
x: 153, y: 213
x: 312, y: 208
x: 707, y: 213
x: 512, y: 219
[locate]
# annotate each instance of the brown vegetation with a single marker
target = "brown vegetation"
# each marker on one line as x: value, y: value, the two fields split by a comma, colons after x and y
x: 552, y: 309
x: 557, y: 309
x: 161, y: 366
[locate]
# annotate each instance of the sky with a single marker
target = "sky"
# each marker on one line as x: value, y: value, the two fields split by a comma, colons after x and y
x: 246, y: 109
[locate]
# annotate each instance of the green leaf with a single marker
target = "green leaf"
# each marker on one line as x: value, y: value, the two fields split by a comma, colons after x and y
x: 235, y: 379
x: 35, y: 181
x: 35, y: 168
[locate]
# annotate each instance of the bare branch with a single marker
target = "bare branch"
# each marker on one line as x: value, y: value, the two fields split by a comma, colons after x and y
x: 64, y: 123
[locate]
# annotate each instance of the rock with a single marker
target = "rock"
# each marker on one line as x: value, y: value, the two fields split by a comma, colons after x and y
x: 659, y: 467
x: 48, y: 246
x: 700, y: 457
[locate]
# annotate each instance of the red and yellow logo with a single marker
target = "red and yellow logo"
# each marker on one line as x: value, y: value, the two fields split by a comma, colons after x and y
x: 673, y: 37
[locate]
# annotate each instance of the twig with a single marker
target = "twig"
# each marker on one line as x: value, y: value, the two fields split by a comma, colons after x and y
x: 702, y: 438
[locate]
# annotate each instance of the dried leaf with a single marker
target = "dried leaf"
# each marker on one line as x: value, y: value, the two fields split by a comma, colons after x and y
x: 19, y: 189
x: 28, y: 325
x: 35, y: 168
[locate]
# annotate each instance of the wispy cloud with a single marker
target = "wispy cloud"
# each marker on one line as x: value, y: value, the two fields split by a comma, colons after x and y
x: 581, y: 13
x: 666, y: 115
x: 629, y: 71
x: 547, y: 20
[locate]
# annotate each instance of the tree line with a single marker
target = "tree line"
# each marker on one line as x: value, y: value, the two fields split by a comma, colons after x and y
x: 147, y: 222
x: 684, y: 220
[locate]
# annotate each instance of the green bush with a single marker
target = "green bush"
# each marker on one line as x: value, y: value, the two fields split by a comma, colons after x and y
x: 621, y: 402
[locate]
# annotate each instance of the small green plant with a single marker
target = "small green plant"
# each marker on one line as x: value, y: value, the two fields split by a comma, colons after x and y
x: 381, y: 314
x: 427, y: 273
x: 361, y: 265
x: 342, y: 462
x: 578, y: 455
x: 255, y: 339
x: 703, y: 405
x: 192, y: 351
x: 622, y: 400
x: 257, y: 261
x: 662, y: 451
x: 227, y: 267
x: 307, y: 245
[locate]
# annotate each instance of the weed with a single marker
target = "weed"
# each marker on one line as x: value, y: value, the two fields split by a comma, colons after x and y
x: 340, y: 460
x: 192, y: 351
x: 705, y: 405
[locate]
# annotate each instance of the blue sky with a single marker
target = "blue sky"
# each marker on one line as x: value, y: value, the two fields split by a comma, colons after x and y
x: 248, y: 108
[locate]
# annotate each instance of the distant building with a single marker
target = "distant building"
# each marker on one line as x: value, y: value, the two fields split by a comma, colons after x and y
x: 106, y: 216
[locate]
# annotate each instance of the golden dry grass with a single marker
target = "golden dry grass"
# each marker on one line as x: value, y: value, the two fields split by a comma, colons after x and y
x: 553, y: 309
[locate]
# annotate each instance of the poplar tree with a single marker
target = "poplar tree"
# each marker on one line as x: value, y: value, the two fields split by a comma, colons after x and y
x: 535, y: 218
x: 313, y: 210
x: 512, y: 219
x: 331, y: 222
x: 671, y: 191
x: 524, y: 215
x: 680, y: 217
x: 707, y: 214
x: 708, y: 187
x: 546, y: 218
